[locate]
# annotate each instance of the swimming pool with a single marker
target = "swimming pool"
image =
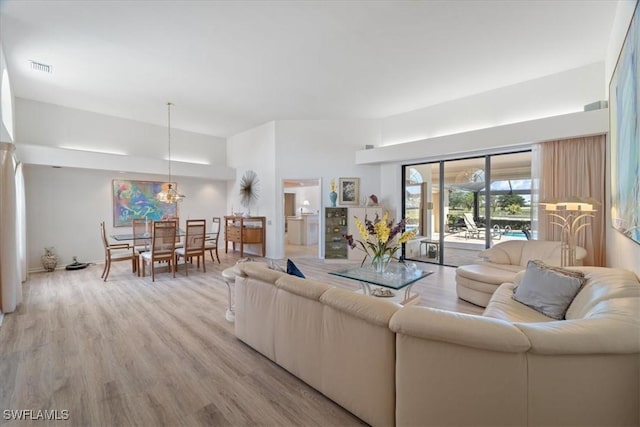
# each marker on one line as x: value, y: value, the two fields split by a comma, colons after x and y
x: 516, y: 234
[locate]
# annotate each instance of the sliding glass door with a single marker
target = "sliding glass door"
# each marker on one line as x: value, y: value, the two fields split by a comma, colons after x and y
x: 460, y: 207
x: 464, y: 183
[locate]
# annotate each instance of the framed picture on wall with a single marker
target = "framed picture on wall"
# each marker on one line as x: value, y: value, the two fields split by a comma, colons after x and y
x: 624, y: 133
x: 137, y: 199
x: 349, y: 191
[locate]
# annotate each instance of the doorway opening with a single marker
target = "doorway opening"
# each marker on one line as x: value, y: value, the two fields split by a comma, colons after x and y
x: 302, y: 205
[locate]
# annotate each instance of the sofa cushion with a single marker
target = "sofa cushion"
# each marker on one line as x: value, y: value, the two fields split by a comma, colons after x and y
x: 549, y: 290
x: 506, y: 267
x: 485, y: 273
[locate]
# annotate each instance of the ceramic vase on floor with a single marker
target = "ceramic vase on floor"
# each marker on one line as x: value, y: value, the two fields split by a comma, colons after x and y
x: 49, y: 259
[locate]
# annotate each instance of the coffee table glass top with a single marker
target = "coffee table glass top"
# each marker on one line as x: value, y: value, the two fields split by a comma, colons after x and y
x: 397, y: 275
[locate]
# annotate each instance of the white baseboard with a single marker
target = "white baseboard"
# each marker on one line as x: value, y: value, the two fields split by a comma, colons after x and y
x: 62, y: 267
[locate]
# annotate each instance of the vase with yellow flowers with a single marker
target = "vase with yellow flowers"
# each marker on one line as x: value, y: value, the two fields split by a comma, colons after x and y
x: 380, y: 240
x: 333, y: 196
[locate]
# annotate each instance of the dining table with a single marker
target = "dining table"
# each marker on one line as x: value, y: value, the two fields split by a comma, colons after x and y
x: 123, y: 237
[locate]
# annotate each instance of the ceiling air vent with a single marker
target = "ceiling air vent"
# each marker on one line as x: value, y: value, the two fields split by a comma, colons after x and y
x: 38, y: 66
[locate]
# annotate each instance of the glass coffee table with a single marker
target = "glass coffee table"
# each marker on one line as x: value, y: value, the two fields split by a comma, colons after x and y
x: 398, y: 278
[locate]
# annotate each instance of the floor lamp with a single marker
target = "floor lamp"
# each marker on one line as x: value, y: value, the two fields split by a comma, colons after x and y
x: 571, y: 218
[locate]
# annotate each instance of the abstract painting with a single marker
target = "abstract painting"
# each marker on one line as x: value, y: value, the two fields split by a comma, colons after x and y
x: 624, y: 131
x: 137, y: 199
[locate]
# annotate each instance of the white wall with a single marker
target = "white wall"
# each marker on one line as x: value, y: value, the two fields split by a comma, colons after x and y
x: 621, y: 251
x: 500, y: 120
x: 66, y: 205
x: 254, y: 149
x: 310, y: 193
x: 53, y: 135
x: 482, y: 141
x: 548, y: 96
x: 324, y: 149
x: 56, y: 126
x: 7, y: 108
x: 299, y: 149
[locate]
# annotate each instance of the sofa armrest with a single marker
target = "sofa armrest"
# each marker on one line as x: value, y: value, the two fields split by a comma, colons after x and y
x: 461, y: 329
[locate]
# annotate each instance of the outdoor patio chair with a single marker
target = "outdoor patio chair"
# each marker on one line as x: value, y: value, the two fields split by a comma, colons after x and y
x: 472, y: 230
x: 496, y: 232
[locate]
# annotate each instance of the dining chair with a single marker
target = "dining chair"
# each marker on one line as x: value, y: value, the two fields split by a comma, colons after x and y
x: 179, y: 243
x: 113, y: 252
x: 193, y: 244
x: 211, y: 242
x: 141, y: 228
x: 163, y: 246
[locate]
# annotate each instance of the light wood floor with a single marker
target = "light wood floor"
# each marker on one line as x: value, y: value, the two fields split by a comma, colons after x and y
x: 135, y: 352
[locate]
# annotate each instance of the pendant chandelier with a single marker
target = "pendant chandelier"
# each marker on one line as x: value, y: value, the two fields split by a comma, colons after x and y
x: 170, y: 195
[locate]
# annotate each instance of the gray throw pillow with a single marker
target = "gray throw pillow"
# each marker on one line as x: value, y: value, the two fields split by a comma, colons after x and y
x: 549, y: 290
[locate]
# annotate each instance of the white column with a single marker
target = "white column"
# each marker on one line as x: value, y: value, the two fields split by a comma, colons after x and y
x: 10, y: 280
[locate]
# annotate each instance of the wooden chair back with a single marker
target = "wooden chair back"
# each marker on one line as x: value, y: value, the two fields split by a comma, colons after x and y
x: 163, y: 242
x: 103, y: 233
x: 113, y: 252
x: 211, y: 242
x: 194, y: 239
x: 215, y: 229
x: 177, y: 220
x: 141, y: 229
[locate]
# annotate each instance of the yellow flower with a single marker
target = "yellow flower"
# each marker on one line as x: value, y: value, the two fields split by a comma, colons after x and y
x: 364, y: 233
x: 380, y: 238
x: 406, y: 236
x: 382, y: 230
x: 333, y: 185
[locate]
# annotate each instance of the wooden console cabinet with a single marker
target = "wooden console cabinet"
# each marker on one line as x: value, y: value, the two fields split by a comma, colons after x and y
x: 245, y: 231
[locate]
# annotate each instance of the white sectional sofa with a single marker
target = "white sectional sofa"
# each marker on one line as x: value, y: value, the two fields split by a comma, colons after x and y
x: 476, y: 282
x: 393, y: 365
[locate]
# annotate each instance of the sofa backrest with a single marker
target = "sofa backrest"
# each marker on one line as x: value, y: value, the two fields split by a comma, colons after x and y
x: 359, y: 354
x: 602, y: 319
x: 520, y: 252
x: 297, y: 331
x: 602, y: 284
x: 549, y: 252
x: 508, y: 252
x: 256, y: 303
x: 336, y: 340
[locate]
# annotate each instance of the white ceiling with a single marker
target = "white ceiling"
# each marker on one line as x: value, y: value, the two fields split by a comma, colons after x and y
x: 232, y: 65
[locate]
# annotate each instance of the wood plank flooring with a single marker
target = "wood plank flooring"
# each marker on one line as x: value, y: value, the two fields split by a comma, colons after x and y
x: 135, y: 352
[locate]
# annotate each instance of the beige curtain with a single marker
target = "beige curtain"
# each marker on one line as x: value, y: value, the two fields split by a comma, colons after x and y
x: 568, y: 169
